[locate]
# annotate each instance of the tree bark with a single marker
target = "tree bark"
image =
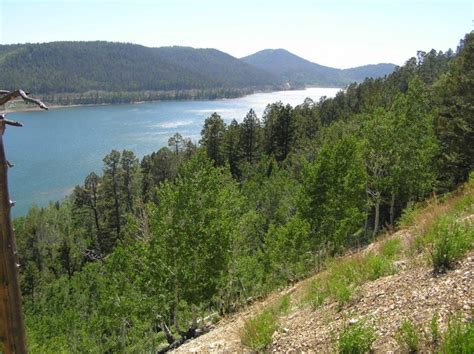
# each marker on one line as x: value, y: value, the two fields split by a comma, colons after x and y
x: 392, y: 209
x: 377, y: 216
x: 12, y: 331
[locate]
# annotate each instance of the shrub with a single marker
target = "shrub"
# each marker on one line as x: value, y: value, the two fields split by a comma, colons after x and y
x: 391, y: 248
x: 258, y: 331
x: 450, y: 240
x: 408, y: 337
x: 459, y: 337
x: 356, y: 338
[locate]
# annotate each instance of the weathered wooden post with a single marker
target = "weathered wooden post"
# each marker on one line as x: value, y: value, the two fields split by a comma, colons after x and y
x: 12, y: 330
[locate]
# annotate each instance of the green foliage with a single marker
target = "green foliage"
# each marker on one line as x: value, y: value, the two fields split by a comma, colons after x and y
x: 449, y: 240
x: 283, y: 304
x: 390, y: 248
x: 435, y: 334
x: 258, y: 331
x: 289, y: 249
x: 408, y: 338
x: 62, y: 68
x: 355, y: 338
x: 212, y: 138
x: 190, y: 231
x: 455, y: 120
x: 459, y: 337
x: 334, y: 193
x: 343, y: 276
x: 301, y: 72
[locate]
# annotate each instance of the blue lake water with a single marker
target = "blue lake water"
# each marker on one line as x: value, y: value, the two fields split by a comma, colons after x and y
x: 56, y: 149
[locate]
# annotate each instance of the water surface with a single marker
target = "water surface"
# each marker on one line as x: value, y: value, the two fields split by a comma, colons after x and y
x: 56, y: 149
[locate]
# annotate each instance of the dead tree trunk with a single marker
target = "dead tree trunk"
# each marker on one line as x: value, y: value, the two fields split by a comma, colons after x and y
x: 12, y: 330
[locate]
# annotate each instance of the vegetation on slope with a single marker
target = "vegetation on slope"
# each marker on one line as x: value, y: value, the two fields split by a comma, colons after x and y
x: 300, y: 72
x: 135, y: 257
x: 98, y: 70
x: 104, y: 72
x: 342, y: 278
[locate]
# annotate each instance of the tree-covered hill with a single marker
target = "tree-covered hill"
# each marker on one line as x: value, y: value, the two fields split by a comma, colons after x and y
x: 75, y: 67
x: 105, y: 72
x: 360, y: 73
x: 220, y: 66
x: 298, y: 71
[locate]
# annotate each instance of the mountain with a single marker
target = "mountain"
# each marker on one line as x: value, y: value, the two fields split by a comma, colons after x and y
x: 65, y: 67
x: 298, y: 71
x: 98, y: 72
x: 373, y: 70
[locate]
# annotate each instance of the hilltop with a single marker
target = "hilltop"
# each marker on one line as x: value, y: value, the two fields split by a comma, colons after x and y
x: 298, y: 71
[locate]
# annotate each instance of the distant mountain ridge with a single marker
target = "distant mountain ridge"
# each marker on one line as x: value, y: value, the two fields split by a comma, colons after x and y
x: 66, y: 67
x: 82, y: 67
x: 298, y: 71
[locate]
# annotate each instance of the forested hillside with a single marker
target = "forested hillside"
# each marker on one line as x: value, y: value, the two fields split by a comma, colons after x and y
x: 298, y: 71
x: 104, y: 72
x: 135, y: 258
x: 120, y: 71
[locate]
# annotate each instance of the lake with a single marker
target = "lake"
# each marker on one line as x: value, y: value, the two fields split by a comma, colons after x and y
x: 57, y: 149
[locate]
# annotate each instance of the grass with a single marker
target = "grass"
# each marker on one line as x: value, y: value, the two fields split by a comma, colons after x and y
x: 443, y: 227
x: 408, y: 338
x: 435, y: 334
x: 391, y: 248
x: 257, y: 332
x: 342, y: 276
x: 356, y: 338
x: 459, y: 337
x: 449, y: 240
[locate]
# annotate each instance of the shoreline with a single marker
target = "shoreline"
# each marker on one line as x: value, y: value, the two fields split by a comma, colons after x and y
x: 59, y: 106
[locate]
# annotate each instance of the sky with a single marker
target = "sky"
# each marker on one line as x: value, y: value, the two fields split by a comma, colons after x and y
x: 341, y: 34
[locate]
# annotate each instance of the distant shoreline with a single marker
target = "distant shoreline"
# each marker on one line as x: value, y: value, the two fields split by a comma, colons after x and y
x: 32, y: 108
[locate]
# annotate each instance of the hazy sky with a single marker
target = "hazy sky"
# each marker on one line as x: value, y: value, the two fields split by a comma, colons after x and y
x: 335, y: 33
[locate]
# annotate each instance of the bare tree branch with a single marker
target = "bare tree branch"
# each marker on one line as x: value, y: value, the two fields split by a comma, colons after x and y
x: 9, y: 122
x: 8, y: 96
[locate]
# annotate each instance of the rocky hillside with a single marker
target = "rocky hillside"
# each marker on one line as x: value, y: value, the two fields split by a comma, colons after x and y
x: 394, y: 295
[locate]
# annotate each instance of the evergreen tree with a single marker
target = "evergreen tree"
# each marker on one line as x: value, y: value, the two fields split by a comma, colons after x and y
x: 250, y: 137
x: 212, y: 137
x: 455, y: 121
x: 334, y: 194
x: 112, y: 199
x: 231, y: 148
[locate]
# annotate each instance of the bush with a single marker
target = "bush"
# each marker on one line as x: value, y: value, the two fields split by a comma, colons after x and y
x: 391, y: 248
x: 356, y: 338
x: 408, y: 337
x: 258, y: 331
x: 450, y: 240
x: 459, y: 337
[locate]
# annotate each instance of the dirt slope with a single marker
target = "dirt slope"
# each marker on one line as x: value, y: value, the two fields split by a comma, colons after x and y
x: 413, y: 293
